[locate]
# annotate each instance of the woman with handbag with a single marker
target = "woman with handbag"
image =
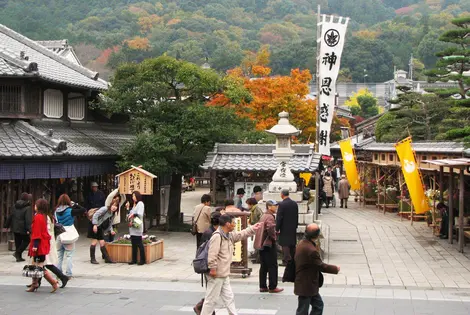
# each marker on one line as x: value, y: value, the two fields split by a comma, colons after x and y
x: 40, y: 244
x: 100, y: 224
x: 65, y: 214
x: 136, y: 227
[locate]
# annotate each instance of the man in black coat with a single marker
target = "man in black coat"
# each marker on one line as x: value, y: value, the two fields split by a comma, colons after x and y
x: 287, y: 220
x: 20, y: 223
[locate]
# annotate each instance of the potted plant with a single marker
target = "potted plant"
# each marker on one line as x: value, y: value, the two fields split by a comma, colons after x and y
x: 121, y: 250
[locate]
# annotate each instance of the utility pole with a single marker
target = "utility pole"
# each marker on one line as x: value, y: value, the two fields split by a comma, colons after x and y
x: 411, y: 68
x: 317, y: 142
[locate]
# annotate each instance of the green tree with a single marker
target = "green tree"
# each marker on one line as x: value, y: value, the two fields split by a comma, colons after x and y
x: 453, y: 65
x: 164, y: 98
x: 368, y: 106
x: 418, y: 115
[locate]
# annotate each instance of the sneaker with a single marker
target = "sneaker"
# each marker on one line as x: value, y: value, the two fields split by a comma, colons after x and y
x: 276, y: 290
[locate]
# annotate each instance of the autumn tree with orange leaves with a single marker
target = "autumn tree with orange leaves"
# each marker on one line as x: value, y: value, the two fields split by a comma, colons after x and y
x: 252, y: 93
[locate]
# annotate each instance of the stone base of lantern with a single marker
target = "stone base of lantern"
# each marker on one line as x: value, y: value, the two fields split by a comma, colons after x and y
x: 297, y: 196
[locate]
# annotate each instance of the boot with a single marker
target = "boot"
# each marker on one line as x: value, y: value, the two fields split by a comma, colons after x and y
x: 39, y: 283
x: 63, y: 278
x: 198, y: 308
x: 107, y: 259
x: 54, y: 283
x: 92, y: 255
x: 34, y: 285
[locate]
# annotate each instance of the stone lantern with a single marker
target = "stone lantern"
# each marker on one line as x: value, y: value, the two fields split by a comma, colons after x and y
x: 283, y: 178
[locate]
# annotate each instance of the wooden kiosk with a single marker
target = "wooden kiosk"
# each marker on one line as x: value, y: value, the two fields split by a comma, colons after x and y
x: 240, y: 249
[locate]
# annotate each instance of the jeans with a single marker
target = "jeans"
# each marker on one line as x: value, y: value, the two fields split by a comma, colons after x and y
x: 68, y: 250
x: 219, y: 287
x: 306, y: 301
x: 136, y: 242
x: 21, y: 242
x: 268, y: 260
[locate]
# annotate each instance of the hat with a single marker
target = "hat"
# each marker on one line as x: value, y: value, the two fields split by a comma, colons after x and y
x: 271, y: 203
x: 240, y: 191
x: 94, y: 184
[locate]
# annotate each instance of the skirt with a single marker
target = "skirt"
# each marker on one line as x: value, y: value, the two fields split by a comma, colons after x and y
x: 99, y: 235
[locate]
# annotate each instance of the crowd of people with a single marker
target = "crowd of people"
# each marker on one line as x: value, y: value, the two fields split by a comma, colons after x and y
x: 34, y: 224
x: 273, y: 227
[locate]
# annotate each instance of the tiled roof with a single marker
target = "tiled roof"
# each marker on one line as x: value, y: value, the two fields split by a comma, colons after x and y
x: 46, y: 139
x: 423, y: 146
x: 258, y: 157
x: 50, y: 66
x: 87, y: 139
x: 16, y: 143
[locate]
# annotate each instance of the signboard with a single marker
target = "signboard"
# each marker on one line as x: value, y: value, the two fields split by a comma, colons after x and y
x: 237, y: 247
x: 331, y: 42
x: 136, y: 179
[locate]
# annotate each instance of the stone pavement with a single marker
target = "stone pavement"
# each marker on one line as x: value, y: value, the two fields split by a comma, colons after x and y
x: 374, y: 250
x: 138, y: 296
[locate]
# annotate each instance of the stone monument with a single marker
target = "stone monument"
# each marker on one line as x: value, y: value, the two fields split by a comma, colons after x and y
x: 283, y: 177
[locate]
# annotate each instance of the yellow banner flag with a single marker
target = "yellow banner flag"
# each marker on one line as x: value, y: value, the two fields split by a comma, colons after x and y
x: 306, y: 177
x: 412, y: 175
x: 349, y: 162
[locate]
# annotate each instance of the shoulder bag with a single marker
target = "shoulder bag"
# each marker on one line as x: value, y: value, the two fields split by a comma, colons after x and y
x: 69, y: 236
x: 194, y: 227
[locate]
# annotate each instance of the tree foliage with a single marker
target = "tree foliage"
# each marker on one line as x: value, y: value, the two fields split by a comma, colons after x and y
x: 164, y: 98
x: 454, y: 66
x: 220, y: 31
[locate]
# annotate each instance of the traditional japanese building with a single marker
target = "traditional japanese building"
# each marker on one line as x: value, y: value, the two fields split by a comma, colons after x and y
x: 51, y: 140
x: 234, y: 166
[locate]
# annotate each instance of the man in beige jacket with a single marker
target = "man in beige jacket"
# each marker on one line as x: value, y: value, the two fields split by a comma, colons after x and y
x: 202, y: 217
x: 219, y: 261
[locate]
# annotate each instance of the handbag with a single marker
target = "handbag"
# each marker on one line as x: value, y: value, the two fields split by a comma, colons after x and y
x: 70, y: 235
x: 58, y: 229
x: 136, y: 222
x: 194, y: 226
x: 33, y: 271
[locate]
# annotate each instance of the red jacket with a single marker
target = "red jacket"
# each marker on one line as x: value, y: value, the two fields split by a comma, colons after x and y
x: 39, y: 232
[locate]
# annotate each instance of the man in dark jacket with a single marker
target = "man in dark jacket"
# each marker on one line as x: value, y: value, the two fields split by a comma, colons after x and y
x: 287, y: 221
x: 308, y: 268
x: 96, y: 198
x: 21, y: 218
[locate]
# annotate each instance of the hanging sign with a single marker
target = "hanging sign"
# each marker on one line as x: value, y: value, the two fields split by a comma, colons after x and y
x: 136, y: 179
x: 332, y: 40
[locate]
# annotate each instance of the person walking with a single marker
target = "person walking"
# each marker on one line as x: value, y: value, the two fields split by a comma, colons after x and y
x: 206, y: 236
x: 51, y: 261
x: 257, y: 193
x: 308, y: 269
x: 135, y: 229
x: 287, y: 220
x: 343, y: 191
x: 265, y: 242
x: 219, y: 260
x: 39, y: 246
x: 328, y: 188
x: 65, y: 214
x: 100, y: 224
x: 202, y: 217
x: 21, y: 217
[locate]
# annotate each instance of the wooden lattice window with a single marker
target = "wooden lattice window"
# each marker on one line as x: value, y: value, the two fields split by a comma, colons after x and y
x: 10, y: 98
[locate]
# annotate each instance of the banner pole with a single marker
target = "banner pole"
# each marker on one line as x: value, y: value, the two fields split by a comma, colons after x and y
x: 317, y: 131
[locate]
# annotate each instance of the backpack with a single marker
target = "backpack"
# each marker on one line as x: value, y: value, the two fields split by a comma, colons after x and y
x: 91, y: 212
x: 201, y: 263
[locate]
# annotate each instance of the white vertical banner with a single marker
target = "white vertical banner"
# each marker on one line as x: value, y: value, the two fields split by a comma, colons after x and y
x: 333, y: 35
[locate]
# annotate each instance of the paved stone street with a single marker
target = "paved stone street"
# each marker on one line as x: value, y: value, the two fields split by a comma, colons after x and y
x: 387, y: 265
x: 372, y: 249
x: 107, y: 296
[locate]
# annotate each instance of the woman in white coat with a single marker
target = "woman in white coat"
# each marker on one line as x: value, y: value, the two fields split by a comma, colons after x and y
x: 52, y: 258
